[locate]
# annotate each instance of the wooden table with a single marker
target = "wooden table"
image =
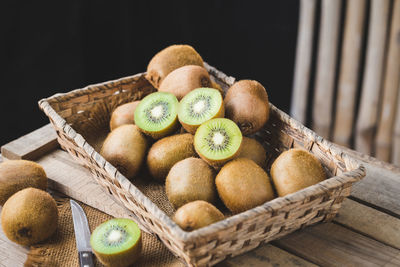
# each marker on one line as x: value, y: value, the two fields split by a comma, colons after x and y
x: 366, y: 231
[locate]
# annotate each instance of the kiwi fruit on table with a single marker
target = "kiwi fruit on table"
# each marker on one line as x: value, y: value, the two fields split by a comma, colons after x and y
x: 170, y: 59
x: 294, y: 170
x: 117, y: 242
x: 164, y: 153
x: 243, y: 185
x: 157, y: 114
x: 197, y: 214
x: 189, y: 180
x: 199, y: 106
x: 253, y: 150
x: 29, y: 216
x: 16, y: 175
x: 217, y: 141
x: 124, y: 114
x: 185, y: 79
x: 246, y: 103
x: 125, y: 148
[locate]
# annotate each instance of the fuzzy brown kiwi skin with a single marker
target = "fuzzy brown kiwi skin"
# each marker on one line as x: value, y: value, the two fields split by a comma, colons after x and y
x: 253, y: 150
x: 16, y: 175
x: 169, y: 59
x: 123, y: 114
x: 243, y: 185
x: 197, y: 214
x: 294, y: 170
x: 189, y: 180
x: 167, y: 151
x: 29, y: 216
x: 125, y: 148
x: 246, y: 103
x: 218, y: 87
x: 185, y: 79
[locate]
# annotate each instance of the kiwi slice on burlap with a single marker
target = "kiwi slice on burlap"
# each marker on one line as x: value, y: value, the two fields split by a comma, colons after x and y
x: 199, y: 106
x: 117, y: 242
x: 218, y: 141
x: 157, y: 114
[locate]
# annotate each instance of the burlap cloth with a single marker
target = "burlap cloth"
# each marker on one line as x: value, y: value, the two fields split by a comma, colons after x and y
x: 60, y: 249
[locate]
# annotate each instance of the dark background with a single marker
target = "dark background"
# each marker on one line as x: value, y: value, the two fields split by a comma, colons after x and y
x: 58, y: 46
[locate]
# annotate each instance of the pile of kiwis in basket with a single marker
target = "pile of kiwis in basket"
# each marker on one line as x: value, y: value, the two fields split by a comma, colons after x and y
x: 197, y: 141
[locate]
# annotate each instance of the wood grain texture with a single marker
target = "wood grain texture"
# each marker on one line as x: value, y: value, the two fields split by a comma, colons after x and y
x: 32, y: 145
x: 326, y: 67
x: 302, y: 69
x: 349, y: 72
x: 333, y: 245
x: 396, y: 135
x: 390, y: 89
x: 372, y: 80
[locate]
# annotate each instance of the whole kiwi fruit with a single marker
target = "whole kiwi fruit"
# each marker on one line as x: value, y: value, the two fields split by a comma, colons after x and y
x: 117, y: 242
x: 197, y: 214
x: 189, y: 180
x: 253, y: 150
x: 169, y: 59
x: 185, y: 79
x: 296, y: 169
x: 167, y: 151
x: 125, y: 148
x: 124, y: 114
x: 29, y: 216
x: 242, y: 185
x: 246, y: 103
x: 16, y: 175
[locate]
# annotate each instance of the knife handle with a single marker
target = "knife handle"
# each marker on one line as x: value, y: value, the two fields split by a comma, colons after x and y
x: 86, y: 259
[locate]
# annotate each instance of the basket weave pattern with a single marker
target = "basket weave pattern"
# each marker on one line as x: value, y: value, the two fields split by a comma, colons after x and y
x: 79, y: 114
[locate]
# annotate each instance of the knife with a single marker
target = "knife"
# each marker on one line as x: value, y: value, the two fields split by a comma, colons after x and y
x: 82, y: 235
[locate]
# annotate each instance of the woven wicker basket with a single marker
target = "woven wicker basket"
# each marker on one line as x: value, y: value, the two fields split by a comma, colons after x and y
x: 81, y: 119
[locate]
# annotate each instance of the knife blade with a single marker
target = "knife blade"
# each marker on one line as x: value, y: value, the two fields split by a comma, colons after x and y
x: 82, y: 235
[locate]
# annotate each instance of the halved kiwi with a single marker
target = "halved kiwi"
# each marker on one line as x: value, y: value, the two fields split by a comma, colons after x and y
x: 117, y: 242
x: 199, y: 106
x: 156, y: 114
x: 218, y: 141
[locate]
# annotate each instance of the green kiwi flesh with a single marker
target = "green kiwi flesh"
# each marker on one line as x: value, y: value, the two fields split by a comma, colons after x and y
x: 197, y: 214
x: 16, y: 175
x: 189, y: 180
x: 157, y: 114
x: 218, y: 141
x: 117, y: 242
x: 242, y: 185
x: 124, y: 114
x: 199, y: 106
x: 253, y: 150
x: 294, y: 170
x: 185, y: 79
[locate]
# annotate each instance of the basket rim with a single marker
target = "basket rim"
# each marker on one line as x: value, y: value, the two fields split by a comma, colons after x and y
x: 356, y: 174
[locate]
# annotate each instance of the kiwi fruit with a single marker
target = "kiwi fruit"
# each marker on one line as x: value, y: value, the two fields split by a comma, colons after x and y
x: 246, y: 103
x: 218, y: 141
x: 16, y: 175
x: 200, y: 105
x: 125, y: 149
x: 253, y: 150
x: 243, y: 185
x: 218, y: 87
x: 294, y: 170
x: 124, y: 114
x: 197, y: 214
x: 170, y: 59
x: 117, y: 242
x: 29, y: 216
x: 185, y: 79
x: 164, y: 153
x: 189, y: 180
x: 157, y: 114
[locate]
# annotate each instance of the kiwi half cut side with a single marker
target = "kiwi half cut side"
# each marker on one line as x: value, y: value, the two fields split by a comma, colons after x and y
x: 199, y: 106
x: 218, y: 141
x: 117, y: 242
x: 156, y: 115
